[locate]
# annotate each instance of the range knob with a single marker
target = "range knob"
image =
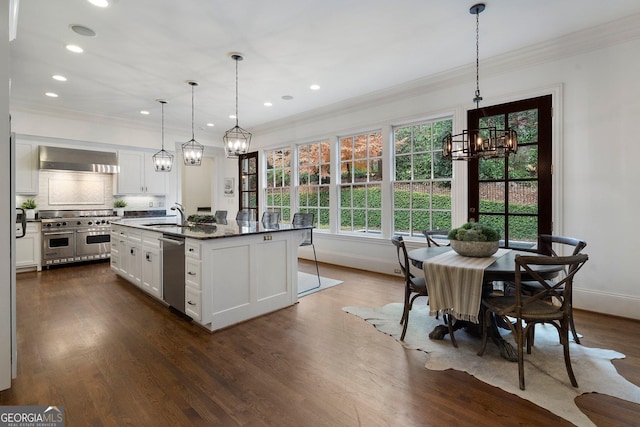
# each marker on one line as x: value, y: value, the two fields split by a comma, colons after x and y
x: 64, y: 223
x: 79, y: 223
x: 48, y: 225
x: 58, y: 224
x: 90, y: 223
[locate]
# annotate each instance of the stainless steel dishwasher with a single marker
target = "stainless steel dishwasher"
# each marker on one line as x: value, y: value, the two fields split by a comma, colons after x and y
x: 173, y: 271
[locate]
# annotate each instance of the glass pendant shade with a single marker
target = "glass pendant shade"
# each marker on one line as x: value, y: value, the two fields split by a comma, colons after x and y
x: 488, y: 142
x: 236, y: 140
x: 192, y: 150
x: 162, y: 160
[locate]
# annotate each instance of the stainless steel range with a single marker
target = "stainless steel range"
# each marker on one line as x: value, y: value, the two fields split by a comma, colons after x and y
x: 75, y: 236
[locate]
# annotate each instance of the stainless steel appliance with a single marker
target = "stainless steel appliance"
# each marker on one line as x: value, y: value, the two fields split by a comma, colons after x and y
x: 173, y: 271
x: 75, y: 236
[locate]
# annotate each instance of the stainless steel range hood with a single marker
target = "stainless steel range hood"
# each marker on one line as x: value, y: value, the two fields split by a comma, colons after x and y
x: 71, y: 159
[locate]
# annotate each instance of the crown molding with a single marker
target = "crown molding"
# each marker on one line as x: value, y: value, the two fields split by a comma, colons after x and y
x: 602, y: 36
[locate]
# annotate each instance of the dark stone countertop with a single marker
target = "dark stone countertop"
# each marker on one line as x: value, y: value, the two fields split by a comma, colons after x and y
x: 230, y: 228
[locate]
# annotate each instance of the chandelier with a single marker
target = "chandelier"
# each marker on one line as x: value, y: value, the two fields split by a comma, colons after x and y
x: 486, y: 142
x: 192, y: 150
x: 162, y: 160
x: 236, y: 140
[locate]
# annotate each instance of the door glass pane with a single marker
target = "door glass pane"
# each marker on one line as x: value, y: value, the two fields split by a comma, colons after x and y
x: 491, y: 168
x: 523, y: 229
x: 441, y: 195
x: 441, y: 220
x: 525, y: 124
x: 495, y: 221
x: 523, y: 197
x: 492, y: 197
x: 524, y: 163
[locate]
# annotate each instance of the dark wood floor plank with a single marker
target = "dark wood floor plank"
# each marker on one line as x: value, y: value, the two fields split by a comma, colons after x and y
x: 113, y: 356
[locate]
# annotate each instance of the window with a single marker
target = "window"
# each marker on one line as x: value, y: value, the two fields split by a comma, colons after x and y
x: 314, y: 175
x: 361, y: 183
x: 422, y: 184
x: 278, y: 191
x: 513, y: 194
x: 248, y: 178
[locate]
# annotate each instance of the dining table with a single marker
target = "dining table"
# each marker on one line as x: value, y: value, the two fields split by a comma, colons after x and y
x: 462, y: 301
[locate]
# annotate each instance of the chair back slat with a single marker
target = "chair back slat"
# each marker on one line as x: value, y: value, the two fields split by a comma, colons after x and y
x: 436, y: 237
x: 403, y: 257
x: 304, y: 219
x: 559, y: 290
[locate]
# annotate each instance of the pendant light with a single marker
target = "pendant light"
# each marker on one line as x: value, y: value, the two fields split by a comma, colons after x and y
x: 236, y: 140
x: 192, y: 150
x: 162, y: 160
x: 487, y: 142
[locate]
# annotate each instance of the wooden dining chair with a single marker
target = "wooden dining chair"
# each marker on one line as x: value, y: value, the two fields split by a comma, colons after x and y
x: 546, y: 247
x: 414, y: 286
x: 528, y: 311
x: 437, y: 237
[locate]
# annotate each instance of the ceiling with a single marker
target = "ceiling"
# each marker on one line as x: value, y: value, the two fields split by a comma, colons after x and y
x: 146, y: 50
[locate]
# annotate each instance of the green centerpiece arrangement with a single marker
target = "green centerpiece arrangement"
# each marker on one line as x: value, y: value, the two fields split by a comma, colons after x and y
x: 119, y: 205
x: 474, y: 239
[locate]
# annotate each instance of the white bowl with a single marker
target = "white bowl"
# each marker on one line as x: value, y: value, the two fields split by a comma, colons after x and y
x: 474, y: 249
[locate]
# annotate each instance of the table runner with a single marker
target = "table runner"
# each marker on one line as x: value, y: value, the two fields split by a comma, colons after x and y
x: 454, y: 283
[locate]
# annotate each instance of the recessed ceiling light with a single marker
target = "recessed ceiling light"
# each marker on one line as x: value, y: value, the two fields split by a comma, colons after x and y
x: 74, y: 48
x: 51, y: 94
x: 145, y: 112
x: 232, y: 116
x: 268, y: 104
x: 210, y: 125
x: 314, y: 87
x: 99, y: 3
x: 287, y: 97
x: 82, y: 30
x: 59, y: 78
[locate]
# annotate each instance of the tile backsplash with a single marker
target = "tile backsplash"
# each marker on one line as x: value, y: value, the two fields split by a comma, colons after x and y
x: 66, y: 190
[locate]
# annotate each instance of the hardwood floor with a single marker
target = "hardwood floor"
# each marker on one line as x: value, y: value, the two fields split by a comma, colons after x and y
x: 112, y: 356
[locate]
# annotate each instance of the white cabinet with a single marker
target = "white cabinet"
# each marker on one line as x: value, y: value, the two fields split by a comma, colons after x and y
x: 26, y: 167
x: 28, y: 249
x: 151, y: 264
x: 135, y: 255
x: 138, y: 175
x: 193, y: 279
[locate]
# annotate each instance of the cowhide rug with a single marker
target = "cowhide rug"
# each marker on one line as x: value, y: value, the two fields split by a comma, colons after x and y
x: 547, y: 382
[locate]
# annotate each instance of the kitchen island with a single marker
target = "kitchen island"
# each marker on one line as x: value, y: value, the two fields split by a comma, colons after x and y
x: 232, y: 272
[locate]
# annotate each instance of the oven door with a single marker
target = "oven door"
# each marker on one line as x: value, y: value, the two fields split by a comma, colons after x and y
x: 93, y: 244
x: 58, y: 247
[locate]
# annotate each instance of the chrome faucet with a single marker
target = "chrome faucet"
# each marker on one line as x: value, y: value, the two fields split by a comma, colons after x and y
x: 178, y: 207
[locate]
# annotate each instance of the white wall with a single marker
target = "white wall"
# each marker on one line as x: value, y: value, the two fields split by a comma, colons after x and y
x: 7, y: 218
x: 597, y: 100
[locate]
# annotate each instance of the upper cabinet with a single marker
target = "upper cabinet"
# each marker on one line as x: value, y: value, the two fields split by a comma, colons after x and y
x: 138, y: 175
x: 26, y: 167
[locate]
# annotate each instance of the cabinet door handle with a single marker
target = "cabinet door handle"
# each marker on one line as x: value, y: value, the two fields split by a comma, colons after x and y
x: 190, y: 249
x: 148, y: 256
x: 190, y: 303
x: 133, y: 252
x: 191, y: 274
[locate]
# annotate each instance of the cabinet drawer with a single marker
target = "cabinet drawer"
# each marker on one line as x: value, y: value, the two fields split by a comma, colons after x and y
x: 193, y: 303
x: 151, y: 239
x: 193, y: 273
x: 193, y: 249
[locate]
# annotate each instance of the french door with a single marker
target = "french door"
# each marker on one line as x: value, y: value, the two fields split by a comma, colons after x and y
x: 513, y: 194
x: 248, y: 181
